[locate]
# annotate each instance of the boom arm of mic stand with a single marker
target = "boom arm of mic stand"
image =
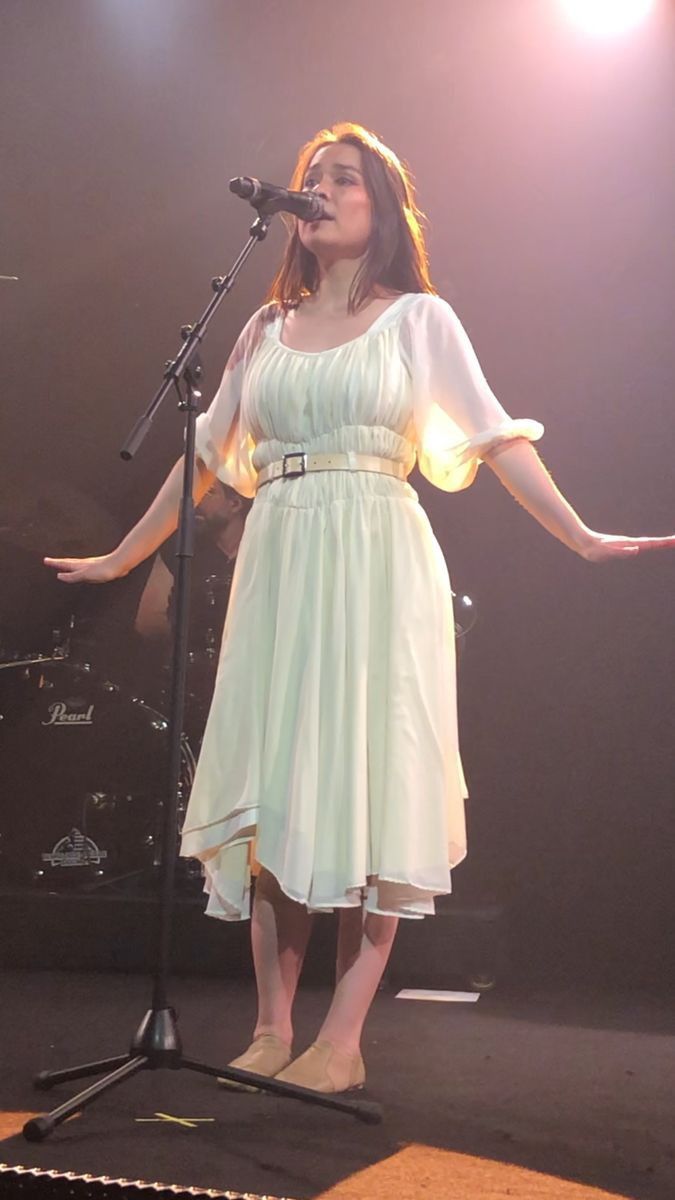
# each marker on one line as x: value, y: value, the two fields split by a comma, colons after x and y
x: 192, y: 336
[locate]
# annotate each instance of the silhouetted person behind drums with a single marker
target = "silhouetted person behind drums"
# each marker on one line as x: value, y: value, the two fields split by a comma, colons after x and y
x: 219, y: 525
x: 219, y: 522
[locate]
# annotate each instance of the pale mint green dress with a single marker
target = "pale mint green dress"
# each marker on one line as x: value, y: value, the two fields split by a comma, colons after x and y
x: 332, y: 737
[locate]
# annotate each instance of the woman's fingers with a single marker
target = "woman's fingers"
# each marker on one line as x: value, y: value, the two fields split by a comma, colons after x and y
x: 64, y: 564
x: 69, y: 570
x: 606, y: 546
x: 81, y: 570
x: 647, y: 543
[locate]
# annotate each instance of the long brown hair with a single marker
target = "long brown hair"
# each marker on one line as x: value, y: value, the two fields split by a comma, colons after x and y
x: 396, y: 256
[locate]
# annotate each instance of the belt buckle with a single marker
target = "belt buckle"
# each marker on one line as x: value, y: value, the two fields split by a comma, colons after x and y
x: 293, y: 471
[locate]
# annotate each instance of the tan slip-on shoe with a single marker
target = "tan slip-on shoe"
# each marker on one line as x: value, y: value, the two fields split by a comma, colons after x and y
x: 324, y: 1068
x: 267, y: 1055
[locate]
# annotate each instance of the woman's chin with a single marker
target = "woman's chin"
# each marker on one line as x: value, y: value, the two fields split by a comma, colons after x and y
x: 318, y: 231
x: 321, y: 241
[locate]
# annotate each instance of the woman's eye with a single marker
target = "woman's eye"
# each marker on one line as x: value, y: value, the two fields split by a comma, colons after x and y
x: 311, y: 183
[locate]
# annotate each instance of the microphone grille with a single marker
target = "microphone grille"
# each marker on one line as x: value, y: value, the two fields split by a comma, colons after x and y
x: 316, y: 207
x: 242, y: 186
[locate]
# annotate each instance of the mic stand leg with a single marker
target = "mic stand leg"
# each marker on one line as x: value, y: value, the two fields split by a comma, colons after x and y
x: 157, y: 1043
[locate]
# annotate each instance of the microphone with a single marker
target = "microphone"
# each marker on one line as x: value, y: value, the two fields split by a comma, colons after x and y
x: 305, y: 205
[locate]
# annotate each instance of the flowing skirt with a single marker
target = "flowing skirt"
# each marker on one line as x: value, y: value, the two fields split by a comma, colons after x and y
x: 330, y: 755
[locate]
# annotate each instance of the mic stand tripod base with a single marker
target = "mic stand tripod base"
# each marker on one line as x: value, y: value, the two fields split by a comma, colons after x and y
x: 157, y: 1045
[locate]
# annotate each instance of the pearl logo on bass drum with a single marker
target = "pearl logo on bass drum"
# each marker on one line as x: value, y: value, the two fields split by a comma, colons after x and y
x: 59, y: 715
x: 75, y: 850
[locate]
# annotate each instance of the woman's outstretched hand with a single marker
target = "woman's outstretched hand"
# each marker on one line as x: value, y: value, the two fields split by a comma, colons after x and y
x: 600, y: 547
x: 86, y: 570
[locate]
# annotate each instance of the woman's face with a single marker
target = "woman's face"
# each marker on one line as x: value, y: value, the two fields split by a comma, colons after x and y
x: 335, y: 174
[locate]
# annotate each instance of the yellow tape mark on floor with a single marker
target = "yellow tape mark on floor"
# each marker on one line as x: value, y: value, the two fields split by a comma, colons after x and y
x: 188, y: 1122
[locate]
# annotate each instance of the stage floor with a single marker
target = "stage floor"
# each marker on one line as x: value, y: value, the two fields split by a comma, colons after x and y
x: 531, y: 1092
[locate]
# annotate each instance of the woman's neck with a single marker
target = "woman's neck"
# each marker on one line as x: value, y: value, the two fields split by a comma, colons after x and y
x: 335, y: 281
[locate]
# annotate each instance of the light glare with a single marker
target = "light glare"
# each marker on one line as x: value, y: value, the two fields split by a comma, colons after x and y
x: 607, y: 16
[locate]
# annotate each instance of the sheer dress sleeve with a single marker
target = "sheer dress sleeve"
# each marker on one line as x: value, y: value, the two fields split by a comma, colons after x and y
x: 457, y: 417
x: 222, y: 440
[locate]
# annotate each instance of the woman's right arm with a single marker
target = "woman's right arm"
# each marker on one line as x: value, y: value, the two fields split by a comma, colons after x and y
x: 154, y: 527
x: 216, y: 439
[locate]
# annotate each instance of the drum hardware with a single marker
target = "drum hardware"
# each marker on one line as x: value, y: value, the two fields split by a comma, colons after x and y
x: 60, y: 650
x: 26, y: 661
x: 189, y: 870
x: 216, y: 592
x: 465, y: 614
x: 61, y: 642
x: 209, y: 607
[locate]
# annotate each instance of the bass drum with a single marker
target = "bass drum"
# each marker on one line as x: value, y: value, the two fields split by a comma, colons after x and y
x: 83, y: 767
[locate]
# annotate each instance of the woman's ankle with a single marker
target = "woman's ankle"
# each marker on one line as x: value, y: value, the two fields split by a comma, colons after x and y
x: 268, y: 1029
x: 349, y: 1045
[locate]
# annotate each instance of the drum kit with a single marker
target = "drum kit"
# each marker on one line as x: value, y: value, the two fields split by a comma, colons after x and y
x: 83, y: 761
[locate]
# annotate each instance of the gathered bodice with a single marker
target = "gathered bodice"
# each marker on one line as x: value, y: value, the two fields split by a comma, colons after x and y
x: 408, y: 388
x: 351, y: 398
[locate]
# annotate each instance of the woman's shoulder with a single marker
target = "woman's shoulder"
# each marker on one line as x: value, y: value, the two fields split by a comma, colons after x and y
x: 265, y: 315
x: 258, y: 324
x: 425, y: 303
x: 426, y: 311
x: 250, y: 336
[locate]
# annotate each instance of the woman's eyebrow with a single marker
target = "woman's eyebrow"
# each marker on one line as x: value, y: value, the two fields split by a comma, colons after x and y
x: 335, y: 167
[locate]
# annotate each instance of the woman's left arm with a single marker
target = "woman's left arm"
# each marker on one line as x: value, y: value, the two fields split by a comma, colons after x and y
x: 520, y: 469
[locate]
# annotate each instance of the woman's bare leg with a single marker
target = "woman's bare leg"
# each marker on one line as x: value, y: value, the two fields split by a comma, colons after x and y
x: 363, y: 949
x: 280, y: 930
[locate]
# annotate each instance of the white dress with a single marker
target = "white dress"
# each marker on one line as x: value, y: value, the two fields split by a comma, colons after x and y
x: 331, y: 743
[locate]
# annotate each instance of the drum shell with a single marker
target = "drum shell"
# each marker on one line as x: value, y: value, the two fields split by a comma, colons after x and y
x: 84, y: 770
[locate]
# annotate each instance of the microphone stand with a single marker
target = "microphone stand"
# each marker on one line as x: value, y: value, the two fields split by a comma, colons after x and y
x: 157, y: 1043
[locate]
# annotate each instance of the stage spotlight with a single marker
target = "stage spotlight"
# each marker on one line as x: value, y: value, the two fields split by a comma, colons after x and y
x: 606, y: 17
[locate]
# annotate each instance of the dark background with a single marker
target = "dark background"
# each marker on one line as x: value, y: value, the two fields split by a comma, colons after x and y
x: 544, y: 161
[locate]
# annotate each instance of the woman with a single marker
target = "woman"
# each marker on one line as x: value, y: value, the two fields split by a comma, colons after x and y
x: 331, y: 745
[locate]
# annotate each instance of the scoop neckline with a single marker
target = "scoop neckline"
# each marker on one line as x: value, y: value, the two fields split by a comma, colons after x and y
x: 278, y: 325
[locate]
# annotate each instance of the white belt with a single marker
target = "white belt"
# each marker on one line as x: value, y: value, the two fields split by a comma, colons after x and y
x: 299, y: 463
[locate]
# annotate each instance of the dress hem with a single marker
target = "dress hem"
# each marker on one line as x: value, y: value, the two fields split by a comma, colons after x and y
x: 229, y: 893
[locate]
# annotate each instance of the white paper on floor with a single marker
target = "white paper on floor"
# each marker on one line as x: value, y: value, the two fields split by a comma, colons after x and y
x: 444, y: 997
